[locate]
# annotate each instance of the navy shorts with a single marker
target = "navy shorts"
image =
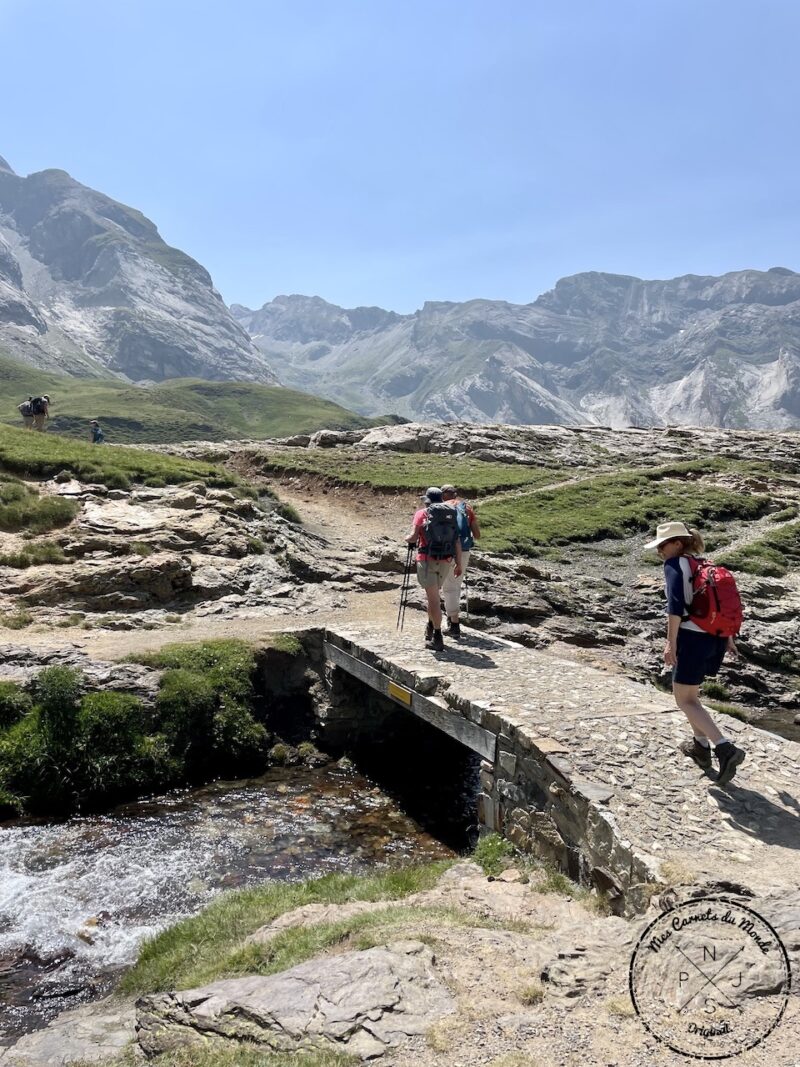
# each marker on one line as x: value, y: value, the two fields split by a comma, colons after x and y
x: 700, y: 656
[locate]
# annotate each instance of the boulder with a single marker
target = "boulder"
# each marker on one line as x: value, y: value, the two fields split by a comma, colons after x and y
x: 361, y: 1003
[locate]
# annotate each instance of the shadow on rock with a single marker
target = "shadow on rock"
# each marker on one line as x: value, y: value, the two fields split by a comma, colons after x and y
x: 758, y: 817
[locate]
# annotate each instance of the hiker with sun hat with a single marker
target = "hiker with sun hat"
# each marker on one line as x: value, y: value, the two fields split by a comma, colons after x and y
x: 703, y: 616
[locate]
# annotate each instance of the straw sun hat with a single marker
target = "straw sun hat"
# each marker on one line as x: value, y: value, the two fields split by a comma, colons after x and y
x: 666, y: 531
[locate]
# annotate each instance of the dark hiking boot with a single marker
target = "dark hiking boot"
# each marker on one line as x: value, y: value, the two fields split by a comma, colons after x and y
x: 437, y: 644
x: 729, y: 757
x: 701, y: 754
x: 453, y: 628
x: 428, y: 632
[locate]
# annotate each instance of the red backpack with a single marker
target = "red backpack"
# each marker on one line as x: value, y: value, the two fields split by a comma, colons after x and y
x: 716, y: 606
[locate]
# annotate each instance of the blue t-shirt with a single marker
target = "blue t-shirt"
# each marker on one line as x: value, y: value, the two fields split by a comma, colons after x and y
x: 678, y: 585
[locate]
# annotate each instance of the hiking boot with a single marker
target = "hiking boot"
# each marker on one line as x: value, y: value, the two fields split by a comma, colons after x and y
x: 701, y: 754
x: 437, y: 644
x: 428, y: 632
x: 453, y: 628
x: 729, y: 757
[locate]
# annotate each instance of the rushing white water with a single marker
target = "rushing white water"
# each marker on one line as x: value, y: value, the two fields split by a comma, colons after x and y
x: 78, y: 898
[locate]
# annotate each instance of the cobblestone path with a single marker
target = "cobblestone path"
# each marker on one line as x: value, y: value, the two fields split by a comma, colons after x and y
x: 615, y: 741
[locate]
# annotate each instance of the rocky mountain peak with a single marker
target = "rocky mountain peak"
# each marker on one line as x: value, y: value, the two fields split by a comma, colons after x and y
x: 5, y: 165
x: 110, y: 293
x: 310, y: 319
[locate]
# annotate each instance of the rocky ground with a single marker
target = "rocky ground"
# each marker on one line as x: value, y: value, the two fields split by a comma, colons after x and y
x: 193, y: 562
x: 536, y: 978
x: 474, y: 971
x: 600, y: 602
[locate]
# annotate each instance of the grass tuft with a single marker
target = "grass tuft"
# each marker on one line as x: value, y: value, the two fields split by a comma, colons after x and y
x: 493, y: 853
x: 34, y: 554
x: 200, y: 949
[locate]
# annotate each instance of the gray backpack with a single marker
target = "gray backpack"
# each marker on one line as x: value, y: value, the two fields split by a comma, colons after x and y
x: 441, y: 531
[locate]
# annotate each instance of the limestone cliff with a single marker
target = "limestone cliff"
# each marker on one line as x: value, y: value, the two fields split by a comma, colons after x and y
x: 88, y: 287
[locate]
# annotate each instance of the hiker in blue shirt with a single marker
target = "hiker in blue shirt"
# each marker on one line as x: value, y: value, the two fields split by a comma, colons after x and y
x: 693, y: 653
x: 469, y: 531
x: 96, y: 433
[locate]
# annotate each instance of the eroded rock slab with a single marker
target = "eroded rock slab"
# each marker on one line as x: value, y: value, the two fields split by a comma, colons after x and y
x: 362, y: 1003
x: 88, y: 1034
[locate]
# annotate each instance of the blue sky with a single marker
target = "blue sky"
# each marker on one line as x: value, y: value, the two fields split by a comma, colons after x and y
x: 377, y: 152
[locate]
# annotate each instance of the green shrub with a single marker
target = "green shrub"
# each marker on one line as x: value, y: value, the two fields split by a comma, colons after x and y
x: 185, y: 708
x: 31, y: 771
x: 228, y: 664
x: 289, y: 512
x: 729, y: 709
x: 57, y: 692
x: 255, y: 546
x: 712, y: 688
x: 112, y: 755
x: 141, y: 548
x: 9, y: 805
x: 279, y: 754
x: 240, y: 741
x: 14, y: 704
x: 72, y: 751
x: 491, y: 852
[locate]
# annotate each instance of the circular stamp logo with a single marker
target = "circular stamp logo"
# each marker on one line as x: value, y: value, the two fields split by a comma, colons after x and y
x: 710, y: 978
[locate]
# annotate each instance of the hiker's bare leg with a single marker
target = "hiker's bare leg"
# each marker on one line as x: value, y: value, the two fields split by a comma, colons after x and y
x: 434, y: 606
x: 687, y: 697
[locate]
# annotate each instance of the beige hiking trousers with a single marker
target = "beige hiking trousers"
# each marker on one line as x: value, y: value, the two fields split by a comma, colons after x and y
x: 451, y: 588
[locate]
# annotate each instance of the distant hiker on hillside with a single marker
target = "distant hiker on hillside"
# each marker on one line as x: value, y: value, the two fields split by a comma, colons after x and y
x: 704, y: 615
x: 40, y: 409
x: 435, y: 533
x: 95, y: 433
x: 26, y: 411
x: 469, y: 531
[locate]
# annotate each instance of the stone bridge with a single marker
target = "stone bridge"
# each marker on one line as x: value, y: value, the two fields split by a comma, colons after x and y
x: 580, y: 766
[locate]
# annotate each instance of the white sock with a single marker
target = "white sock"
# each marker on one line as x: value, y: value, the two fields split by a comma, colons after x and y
x: 722, y: 741
x: 702, y: 741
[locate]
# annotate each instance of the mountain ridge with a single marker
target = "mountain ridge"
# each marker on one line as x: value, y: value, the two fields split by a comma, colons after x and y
x: 597, y: 347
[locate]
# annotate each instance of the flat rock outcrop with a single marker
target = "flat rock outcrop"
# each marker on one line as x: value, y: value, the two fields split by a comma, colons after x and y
x: 362, y: 1003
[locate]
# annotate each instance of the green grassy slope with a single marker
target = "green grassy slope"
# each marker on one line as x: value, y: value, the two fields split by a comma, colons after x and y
x: 399, y: 470
x: 26, y: 454
x: 184, y: 409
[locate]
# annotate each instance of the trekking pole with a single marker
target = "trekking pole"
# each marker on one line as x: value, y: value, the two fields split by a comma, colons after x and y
x: 404, y: 587
x: 409, y: 566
